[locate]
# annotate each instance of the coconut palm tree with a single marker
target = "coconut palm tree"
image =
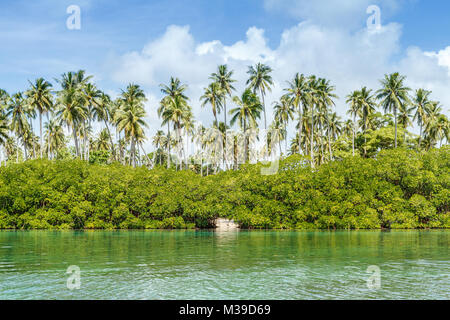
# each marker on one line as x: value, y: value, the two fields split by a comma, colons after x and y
x: 159, y: 141
x: 213, y: 95
x: 247, y: 113
x: 4, y: 133
x: 102, y: 106
x: 71, y: 103
x: 260, y: 80
x: 174, y: 91
x: 284, y: 111
x: 421, y: 103
x: 224, y: 78
x: 55, y: 138
x: 41, y: 98
x: 393, y: 95
x: 130, y: 117
x: 17, y: 112
x: 299, y: 91
x: 355, y: 106
x: 367, y: 106
x: 333, y: 130
x: 404, y: 118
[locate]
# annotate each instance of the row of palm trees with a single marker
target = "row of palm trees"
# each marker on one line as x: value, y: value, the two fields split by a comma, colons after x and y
x: 309, y: 100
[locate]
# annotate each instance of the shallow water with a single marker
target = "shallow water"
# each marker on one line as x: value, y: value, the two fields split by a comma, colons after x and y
x: 227, y: 265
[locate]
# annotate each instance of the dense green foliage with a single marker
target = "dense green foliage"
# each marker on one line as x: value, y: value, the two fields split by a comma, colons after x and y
x: 398, y: 189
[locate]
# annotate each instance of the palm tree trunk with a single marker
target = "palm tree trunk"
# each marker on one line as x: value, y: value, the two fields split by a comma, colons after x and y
x: 420, y: 136
x: 329, y: 146
x: 225, y: 135
x: 245, y: 143
x: 395, y: 120
x: 48, y: 137
x: 354, y: 133
x: 168, y: 143
x: 40, y: 132
x: 300, y: 128
x: 110, y: 140
x: 312, y: 136
x: 74, y: 133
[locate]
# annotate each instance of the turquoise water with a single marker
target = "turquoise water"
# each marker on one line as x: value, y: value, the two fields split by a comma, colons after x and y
x: 225, y: 265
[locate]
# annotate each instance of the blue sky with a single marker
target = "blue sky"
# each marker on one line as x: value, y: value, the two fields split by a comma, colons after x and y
x: 147, y: 41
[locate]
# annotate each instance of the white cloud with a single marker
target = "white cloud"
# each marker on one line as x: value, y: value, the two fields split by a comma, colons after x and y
x: 350, y: 59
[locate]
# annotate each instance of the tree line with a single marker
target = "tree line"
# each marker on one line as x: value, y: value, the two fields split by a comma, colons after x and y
x: 378, y: 119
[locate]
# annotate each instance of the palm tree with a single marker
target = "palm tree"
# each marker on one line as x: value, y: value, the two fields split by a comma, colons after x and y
x: 284, y: 111
x: 71, y: 103
x: 299, y: 91
x: 367, y: 107
x: 41, y: 98
x: 422, y: 103
x: 159, y: 140
x: 404, y: 118
x: 276, y: 134
x: 393, y: 95
x: 213, y: 95
x: 224, y: 78
x: 55, y: 137
x: 247, y: 113
x: 355, y: 106
x: 17, y: 111
x: 174, y: 91
x: 334, y: 129
x: 4, y: 133
x: 260, y: 80
x: 102, y: 111
x: 130, y: 117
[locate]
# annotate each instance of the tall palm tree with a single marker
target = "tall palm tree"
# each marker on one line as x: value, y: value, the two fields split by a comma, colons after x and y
x: 55, y: 138
x: 422, y: 103
x: 174, y: 91
x: 367, y: 106
x: 213, y: 95
x: 247, y: 113
x: 159, y: 141
x: 299, y: 91
x: 224, y: 78
x: 4, y: 133
x: 284, y: 111
x: 102, y: 106
x: 393, y: 95
x: 404, y: 118
x: 355, y: 106
x: 41, y: 98
x: 17, y: 112
x: 333, y: 129
x: 71, y: 102
x: 260, y: 80
x: 130, y: 117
